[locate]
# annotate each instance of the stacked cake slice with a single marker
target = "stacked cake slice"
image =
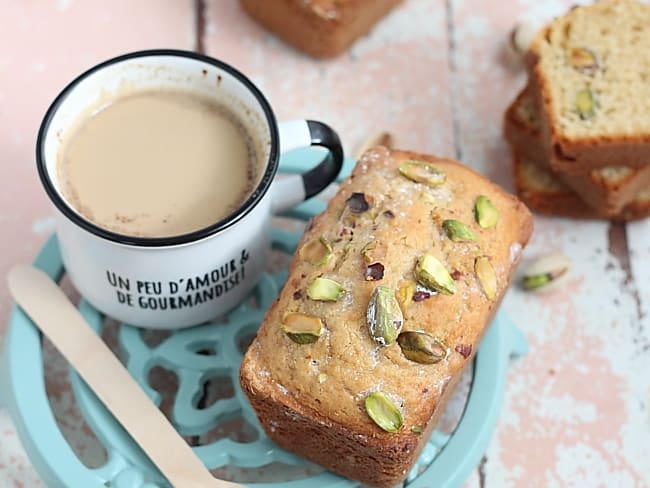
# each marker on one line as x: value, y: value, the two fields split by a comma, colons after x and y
x: 580, y: 130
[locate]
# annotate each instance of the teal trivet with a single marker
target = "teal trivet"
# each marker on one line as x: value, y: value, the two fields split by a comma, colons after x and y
x: 446, y: 460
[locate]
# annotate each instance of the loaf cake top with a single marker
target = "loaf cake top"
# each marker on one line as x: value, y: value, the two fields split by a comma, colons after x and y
x: 379, y: 225
x: 592, y: 67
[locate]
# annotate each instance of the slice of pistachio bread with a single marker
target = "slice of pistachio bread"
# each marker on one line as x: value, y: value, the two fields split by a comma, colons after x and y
x: 590, y: 70
x: 388, y: 296
x: 606, y: 189
x: 544, y: 193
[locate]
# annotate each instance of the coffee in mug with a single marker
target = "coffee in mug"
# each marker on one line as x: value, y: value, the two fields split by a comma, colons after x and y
x: 161, y: 166
x: 157, y: 163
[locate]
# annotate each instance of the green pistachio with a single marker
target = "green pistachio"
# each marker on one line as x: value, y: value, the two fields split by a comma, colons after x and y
x: 422, y: 172
x: 486, y: 214
x: 457, y: 231
x: 383, y: 412
x: 417, y: 429
x: 317, y: 251
x: 421, y: 348
x: 301, y: 327
x: 583, y: 60
x: 427, y: 198
x: 324, y: 289
x: 405, y: 293
x: 585, y: 104
x: 546, y: 272
x: 432, y: 274
x: 384, y: 316
x: 486, y: 275
x: 373, y: 252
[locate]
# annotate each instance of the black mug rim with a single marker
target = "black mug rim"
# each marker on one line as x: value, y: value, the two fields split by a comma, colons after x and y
x: 176, y: 240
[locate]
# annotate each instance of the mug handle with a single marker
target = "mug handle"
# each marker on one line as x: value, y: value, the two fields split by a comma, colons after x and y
x: 293, y: 189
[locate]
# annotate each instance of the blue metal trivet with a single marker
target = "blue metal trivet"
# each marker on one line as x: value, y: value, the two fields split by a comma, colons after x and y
x: 446, y: 460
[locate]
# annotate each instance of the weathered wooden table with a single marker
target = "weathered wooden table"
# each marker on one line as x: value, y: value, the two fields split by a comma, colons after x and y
x: 577, y: 407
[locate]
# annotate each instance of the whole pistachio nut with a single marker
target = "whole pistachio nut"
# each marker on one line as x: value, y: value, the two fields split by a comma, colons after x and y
x: 585, y: 104
x: 486, y: 275
x: 546, y: 272
x: 485, y: 212
x: 301, y: 327
x: 457, y: 231
x: 384, y: 316
x: 317, y: 251
x: 431, y: 274
x: 583, y: 59
x: 422, y: 172
x: 383, y: 412
x: 325, y: 289
x: 421, y: 347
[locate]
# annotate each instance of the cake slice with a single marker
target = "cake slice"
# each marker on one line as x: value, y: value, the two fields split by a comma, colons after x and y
x: 606, y: 189
x: 320, y: 28
x: 388, y: 296
x: 590, y: 70
x: 538, y: 188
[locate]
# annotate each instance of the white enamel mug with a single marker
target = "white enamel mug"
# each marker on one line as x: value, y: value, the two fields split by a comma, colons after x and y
x: 183, y: 280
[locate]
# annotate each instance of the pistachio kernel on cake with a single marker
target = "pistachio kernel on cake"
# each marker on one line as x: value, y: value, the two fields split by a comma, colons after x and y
x: 383, y: 412
x: 585, y: 104
x: 583, y: 60
x: 486, y: 276
x: 457, y: 231
x: 325, y: 289
x: 432, y: 274
x: 485, y: 212
x: 302, y: 328
x: 405, y: 293
x: 373, y: 252
x: 384, y: 316
x: 422, y: 172
x: 317, y: 251
x: 427, y: 198
x: 421, y: 347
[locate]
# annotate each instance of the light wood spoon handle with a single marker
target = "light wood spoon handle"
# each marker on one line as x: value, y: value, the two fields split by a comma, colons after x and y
x: 48, y: 307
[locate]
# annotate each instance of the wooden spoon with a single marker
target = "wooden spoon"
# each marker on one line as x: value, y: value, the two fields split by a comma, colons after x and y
x: 49, y: 308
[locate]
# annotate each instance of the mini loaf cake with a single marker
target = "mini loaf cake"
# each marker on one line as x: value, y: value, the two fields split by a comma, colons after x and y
x: 388, y: 296
x: 606, y: 189
x: 589, y: 70
x: 320, y: 28
x: 543, y: 192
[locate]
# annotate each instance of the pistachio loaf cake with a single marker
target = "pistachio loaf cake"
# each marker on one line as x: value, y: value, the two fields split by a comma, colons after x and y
x: 590, y: 70
x: 388, y: 296
x: 607, y: 190
x: 320, y: 28
x: 543, y: 192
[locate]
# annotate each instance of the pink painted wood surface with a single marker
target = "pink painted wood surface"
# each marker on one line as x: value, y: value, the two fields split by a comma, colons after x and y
x: 433, y: 73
